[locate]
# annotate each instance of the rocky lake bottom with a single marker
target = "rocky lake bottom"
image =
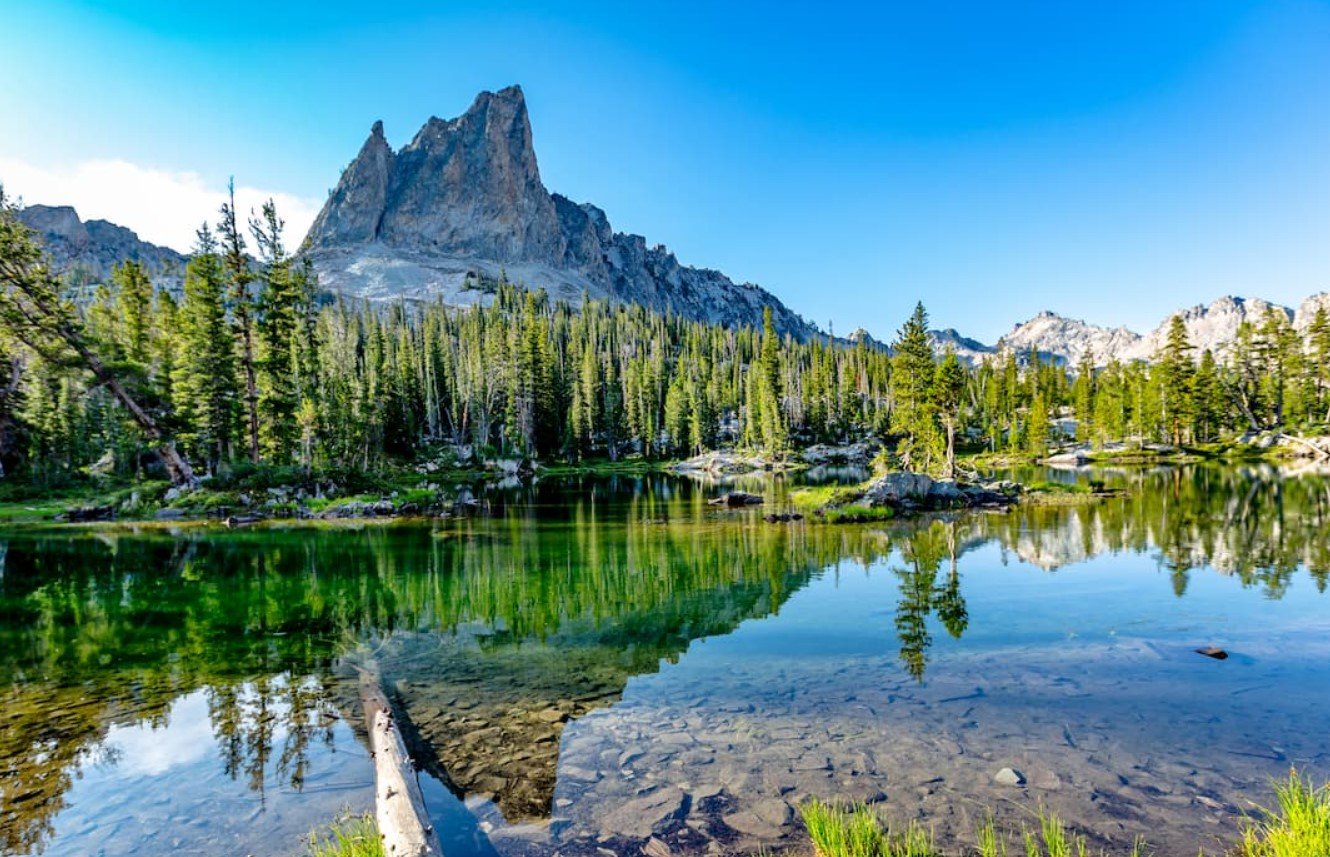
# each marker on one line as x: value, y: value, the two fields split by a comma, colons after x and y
x: 614, y: 666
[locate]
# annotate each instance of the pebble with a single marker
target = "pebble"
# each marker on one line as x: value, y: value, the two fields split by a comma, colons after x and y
x: 1009, y: 777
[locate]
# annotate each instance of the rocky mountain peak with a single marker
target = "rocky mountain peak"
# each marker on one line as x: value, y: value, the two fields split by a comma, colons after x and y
x: 87, y: 251
x: 465, y: 197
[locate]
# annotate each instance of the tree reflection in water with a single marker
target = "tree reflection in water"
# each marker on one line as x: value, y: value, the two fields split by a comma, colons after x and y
x: 563, y: 596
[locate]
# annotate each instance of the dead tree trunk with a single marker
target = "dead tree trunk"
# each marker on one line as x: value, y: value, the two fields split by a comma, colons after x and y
x: 176, y: 465
x: 399, y: 806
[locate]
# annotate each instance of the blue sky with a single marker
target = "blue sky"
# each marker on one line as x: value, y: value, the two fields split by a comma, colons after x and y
x: 1112, y: 161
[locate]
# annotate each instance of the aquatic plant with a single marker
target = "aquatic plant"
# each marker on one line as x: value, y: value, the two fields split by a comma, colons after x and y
x: 1298, y: 827
x: 349, y: 836
x: 857, y: 832
x: 990, y: 842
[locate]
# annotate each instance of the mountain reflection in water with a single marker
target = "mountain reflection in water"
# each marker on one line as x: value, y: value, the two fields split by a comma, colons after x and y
x: 496, y: 634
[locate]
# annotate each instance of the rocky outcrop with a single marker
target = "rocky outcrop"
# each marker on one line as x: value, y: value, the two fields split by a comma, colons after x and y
x: 86, y: 252
x: 463, y: 203
x: 907, y: 491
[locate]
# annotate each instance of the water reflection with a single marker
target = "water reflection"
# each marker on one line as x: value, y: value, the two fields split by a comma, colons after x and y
x: 497, y: 633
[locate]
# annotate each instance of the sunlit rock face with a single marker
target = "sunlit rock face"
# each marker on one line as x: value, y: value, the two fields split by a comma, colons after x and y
x: 1067, y: 341
x: 463, y: 204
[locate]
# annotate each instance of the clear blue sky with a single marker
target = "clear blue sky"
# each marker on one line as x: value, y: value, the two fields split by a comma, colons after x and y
x: 1112, y: 161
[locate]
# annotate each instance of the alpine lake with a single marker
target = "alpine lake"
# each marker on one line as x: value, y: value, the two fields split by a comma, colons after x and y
x: 602, y: 665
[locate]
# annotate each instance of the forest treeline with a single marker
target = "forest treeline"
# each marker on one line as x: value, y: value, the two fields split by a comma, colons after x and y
x: 251, y: 362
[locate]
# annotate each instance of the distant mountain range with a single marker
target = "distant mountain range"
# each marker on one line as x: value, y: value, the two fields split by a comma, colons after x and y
x: 462, y: 204
x: 85, y: 252
x: 1067, y: 341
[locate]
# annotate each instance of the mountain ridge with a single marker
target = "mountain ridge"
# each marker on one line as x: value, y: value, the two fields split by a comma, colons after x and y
x: 464, y: 200
x: 88, y: 250
x: 85, y: 251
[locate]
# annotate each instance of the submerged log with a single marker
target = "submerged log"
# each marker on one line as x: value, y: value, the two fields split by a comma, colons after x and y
x: 399, y: 806
x: 735, y: 499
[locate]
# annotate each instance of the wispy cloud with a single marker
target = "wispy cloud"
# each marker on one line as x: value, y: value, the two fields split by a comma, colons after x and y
x: 162, y: 207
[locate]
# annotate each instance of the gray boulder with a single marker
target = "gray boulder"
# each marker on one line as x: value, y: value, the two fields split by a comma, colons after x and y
x: 894, y: 488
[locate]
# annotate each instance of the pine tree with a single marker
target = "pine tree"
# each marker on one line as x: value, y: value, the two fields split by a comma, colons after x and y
x: 1207, y: 397
x: 33, y: 312
x: 239, y: 277
x: 132, y: 290
x: 1318, y: 346
x: 767, y: 388
x: 205, y: 389
x: 948, y: 390
x: 278, y: 324
x: 1176, y: 370
x: 1083, y: 396
x: 914, y: 408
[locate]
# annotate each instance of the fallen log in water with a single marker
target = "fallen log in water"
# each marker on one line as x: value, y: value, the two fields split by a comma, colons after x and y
x: 399, y: 806
x: 735, y: 499
x: 1317, y: 451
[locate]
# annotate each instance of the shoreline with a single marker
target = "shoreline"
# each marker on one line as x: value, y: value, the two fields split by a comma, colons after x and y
x: 428, y: 492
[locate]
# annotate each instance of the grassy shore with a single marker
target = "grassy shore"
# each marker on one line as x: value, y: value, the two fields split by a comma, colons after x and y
x: 274, y: 492
x: 1231, y: 451
x: 1297, y: 826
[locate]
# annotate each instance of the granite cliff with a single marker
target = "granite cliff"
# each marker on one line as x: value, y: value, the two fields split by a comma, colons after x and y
x: 463, y: 203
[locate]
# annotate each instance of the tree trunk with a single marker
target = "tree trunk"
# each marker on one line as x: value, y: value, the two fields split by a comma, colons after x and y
x: 951, y: 449
x: 399, y: 806
x: 7, y: 393
x: 251, y: 388
x: 176, y: 465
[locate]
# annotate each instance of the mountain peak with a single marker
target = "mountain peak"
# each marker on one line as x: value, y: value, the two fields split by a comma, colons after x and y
x: 465, y: 197
x: 92, y: 248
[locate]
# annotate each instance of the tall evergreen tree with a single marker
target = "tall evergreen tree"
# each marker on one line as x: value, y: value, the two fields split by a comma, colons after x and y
x: 914, y: 407
x: 205, y: 389
x: 239, y: 277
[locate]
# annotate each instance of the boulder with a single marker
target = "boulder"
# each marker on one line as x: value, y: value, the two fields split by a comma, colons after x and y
x: 893, y: 488
x: 945, y: 492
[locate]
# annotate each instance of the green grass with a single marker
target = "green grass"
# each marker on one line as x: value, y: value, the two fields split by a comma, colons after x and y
x: 857, y: 832
x: 858, y: 514
x: 1298, y: 827
x: 604, y: 467
x: 1051, y: 487
x: 817, y: 497
x: 835, y: 504
x: 350, y: 836
x: 26, y: 502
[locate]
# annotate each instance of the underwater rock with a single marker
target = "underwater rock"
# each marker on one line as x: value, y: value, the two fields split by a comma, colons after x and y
x: 1213, y: 652
x: 1009, y: 777
x: 735, y: 499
